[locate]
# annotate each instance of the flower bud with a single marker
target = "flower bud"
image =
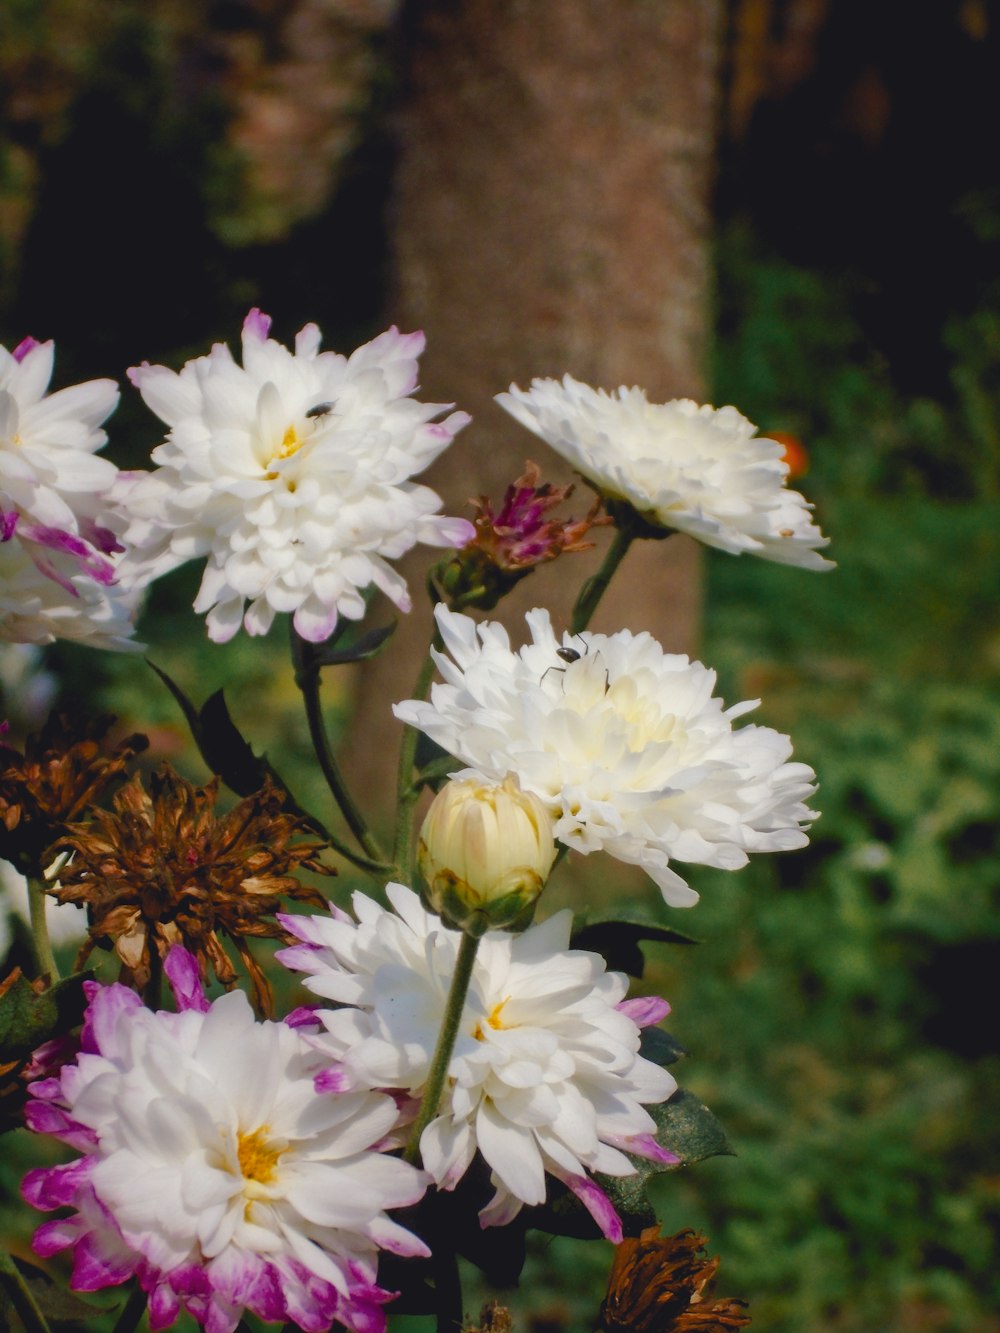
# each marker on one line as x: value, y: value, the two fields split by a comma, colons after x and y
x: 485, y: 852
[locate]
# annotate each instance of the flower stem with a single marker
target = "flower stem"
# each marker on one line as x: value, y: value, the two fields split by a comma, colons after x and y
x: 406, y: 792
x: 20, y: 1296
x: 307, y: 677
x: 132, y: 1312
x: 445, y: 1044
x: 40, y: 930
x: 596, y: 586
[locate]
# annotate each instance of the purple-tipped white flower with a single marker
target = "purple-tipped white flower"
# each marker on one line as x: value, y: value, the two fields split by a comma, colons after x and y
x: 211, y: 1169
x: 626, y: 745
x: 699, y: 470
x: 546, y: 1076
x: 58, y: 553
x: 292, y: 475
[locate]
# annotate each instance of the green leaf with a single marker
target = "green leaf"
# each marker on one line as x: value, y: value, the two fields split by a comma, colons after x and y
x: 660, y: 1047
x: 617, y: 935
x: 227, y: 753
x: 363, y: 649
x: 29, y: 1018
x: 54, y: 1301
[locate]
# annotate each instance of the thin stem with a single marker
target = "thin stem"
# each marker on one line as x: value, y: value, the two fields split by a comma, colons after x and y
x: 597, y: 585
x: 445, y: 1045
x: 40, y: 930
x: 307, y: 677
x: 406, y: 792
x: 132, y: 1312
x: 21, y: 1296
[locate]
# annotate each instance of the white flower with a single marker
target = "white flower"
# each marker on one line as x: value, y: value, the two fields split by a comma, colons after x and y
x: 292, y: 475
x: 58, y: 553
x: 626, y: 744
x: 48, y: 471
x: 212, y: 1169
x: 46, y: 595
x: 700, y: 470
x: 545, y: 1076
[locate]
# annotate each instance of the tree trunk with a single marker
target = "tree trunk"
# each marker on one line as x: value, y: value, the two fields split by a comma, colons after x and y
x: 551, y: 215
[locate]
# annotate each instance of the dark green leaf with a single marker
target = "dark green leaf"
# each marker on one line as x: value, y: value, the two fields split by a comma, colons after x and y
x: 227, y: 753
x: 660, y: 1047
x: 57, y: 1304
x: 361, y: 649
x: 617, y: 936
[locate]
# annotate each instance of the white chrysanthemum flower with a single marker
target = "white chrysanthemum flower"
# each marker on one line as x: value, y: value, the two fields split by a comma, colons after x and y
x: 627, y: 745
x: 699, y: 470
x: 46, y: 595
x: 291, y: 473
x: 48, y: 468
x: 58, y: 553
x: 213, y: 1171
x: 545, y: 1077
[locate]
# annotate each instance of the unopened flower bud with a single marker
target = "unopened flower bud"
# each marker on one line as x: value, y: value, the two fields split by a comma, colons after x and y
x: 485, y: 853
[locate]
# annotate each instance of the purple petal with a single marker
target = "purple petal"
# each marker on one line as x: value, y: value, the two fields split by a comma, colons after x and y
x: 644, y: 1145
x: 257, y: 325
x: 94, y: 1267
x: 8, y: 522
x: 597, y: 1204
x: 107, y: 1004
x: 334, y: 1079
x: 56, y: 539
x: 645, y: 1010
x: 184, y: 976
x: 303, y: 1017
x: 25, y: 346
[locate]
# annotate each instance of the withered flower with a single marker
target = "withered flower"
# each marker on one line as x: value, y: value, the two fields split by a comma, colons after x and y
x: 509, y: 543
x: 658, y: 1285
x: 64, y: 768
x: 164, y: 869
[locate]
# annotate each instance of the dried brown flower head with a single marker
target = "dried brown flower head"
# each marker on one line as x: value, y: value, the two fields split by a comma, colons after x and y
x: 658, y: 1285
x: 164, y: 869
x: 64, y: 769
x: 511, y: 541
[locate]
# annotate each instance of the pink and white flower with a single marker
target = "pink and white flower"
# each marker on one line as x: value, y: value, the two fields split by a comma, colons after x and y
x: 545, y: 1079
x: 211, y: 1170
x: 58, y: 550
x: 628, y: 747
x: 292, y: 475
x: 695, y: 469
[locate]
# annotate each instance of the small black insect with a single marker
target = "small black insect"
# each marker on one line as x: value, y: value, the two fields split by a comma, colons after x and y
x: 568, y: 655
x: 320, y: 410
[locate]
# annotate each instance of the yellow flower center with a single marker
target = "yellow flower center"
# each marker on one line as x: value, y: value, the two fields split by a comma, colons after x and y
x: 257, y: 1157
x: 494, y: 1020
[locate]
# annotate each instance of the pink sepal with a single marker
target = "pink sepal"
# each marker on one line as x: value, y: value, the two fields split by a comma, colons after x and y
x: 184, y: 976
x: 644, y: 1010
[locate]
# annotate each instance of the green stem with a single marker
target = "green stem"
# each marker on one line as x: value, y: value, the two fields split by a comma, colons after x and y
x: 307, y: 677
x: 597, y: 585
x: 406, y: 792
x: 132, y: 1312
x: 445, y: 1045
x: 21, y: 1297
x: 40, y: 930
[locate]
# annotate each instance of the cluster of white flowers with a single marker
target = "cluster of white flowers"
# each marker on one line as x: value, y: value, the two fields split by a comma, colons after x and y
x: 228, y: 1164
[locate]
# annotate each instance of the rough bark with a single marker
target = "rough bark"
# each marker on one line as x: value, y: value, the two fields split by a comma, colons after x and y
x: 551, y: 215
